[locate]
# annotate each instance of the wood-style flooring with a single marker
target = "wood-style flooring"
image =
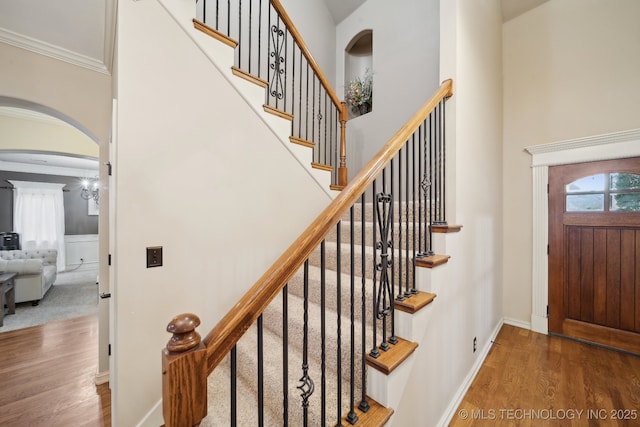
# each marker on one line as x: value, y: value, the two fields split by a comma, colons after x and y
x: 529, y: 379
x: 47, y: 376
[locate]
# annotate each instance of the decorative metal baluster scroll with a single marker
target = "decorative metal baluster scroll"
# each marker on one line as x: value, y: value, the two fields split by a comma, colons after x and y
x: 306, y: 387
x: 384, y: 301
x: 277, y: 64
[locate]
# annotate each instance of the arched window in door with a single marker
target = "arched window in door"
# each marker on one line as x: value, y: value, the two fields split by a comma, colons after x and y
x: 613, y: 192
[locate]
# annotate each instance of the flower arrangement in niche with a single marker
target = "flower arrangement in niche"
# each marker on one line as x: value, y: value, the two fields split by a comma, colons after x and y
x: 359, y: 93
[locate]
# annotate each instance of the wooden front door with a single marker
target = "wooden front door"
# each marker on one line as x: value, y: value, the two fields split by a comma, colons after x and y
x: 594, y: 252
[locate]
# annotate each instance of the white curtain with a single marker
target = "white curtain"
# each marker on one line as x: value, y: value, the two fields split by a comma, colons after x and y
x: 38, y: 216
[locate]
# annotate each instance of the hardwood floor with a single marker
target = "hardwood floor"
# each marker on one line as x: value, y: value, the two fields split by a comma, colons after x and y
x: 47, y: 376
x: 529, y: 379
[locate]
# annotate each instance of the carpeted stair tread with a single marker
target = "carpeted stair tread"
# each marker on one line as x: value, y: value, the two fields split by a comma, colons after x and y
x: 296, y: 287
x: 273, y: 377
x: 401, y: 269
x: 403, y: 236
x: 219, y: 394
x: 273, y: 321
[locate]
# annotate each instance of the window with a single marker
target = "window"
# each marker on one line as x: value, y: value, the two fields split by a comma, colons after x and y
x: 614, y: 192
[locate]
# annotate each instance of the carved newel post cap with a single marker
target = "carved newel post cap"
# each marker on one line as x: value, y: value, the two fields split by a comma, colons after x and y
x: 183, y: 327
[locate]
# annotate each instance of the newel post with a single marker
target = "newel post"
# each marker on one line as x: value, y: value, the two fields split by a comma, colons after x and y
x: 184, y: 374
x: 342, y: 168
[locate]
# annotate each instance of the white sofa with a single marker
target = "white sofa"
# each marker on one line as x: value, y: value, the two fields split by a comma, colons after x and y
x: 36, y: 271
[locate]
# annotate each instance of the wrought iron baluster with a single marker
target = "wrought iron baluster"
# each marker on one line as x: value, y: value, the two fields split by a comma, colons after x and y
x: 259, y: 38
x: 352, y: 417
x: 364, y: 404
x: 260, y: 373
x: 415, y: 195
x: 250, y: 33
x: 391, y: 249
x: 234, y: 387
x: 229, y: 18
x: 277, y: 64
x: 420, y: 175
x: 323, y: 335
x: 407, y: 221
x: 339, y: 325
x: 306, y: 387
x: 383, y: 202
x: 239, y: 48
x: 443, y: 133
x: 400, y: 296
x: 375, y: 353
x: 285, y: 355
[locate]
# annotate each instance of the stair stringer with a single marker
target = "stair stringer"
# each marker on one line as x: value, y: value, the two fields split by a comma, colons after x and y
x: 222, y: 57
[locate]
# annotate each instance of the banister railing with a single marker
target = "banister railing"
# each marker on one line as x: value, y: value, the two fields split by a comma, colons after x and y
x: 401, y: 192
x: 271, y: 49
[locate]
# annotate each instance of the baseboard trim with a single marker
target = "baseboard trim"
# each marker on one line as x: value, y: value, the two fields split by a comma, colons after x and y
x: 517, y: 323
x: 101, y: 377
x: 450, y: 412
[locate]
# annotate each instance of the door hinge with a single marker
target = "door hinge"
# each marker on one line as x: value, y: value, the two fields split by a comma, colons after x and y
x: 108, y: 164
x: 547, y: 249
x: 109, y: 260
x: 109, y: 349
x: 547, y: 311
x: 547, y: 186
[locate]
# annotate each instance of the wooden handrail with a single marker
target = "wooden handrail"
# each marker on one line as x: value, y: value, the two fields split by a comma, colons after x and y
x: 305, y: 51
x: 237, y: 321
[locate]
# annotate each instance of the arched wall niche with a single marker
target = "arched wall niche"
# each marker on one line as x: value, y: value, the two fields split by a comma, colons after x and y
x: 358, y: 63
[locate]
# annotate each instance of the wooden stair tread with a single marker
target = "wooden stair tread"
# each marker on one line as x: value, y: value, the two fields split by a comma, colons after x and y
x: 376, y: 416
x: 432, y: 261
x: 201, y: 26
x: 415, y: 302
x: 389, y: 360
x: 320, y: 166
x: 279, y: 113
x: 302, y: 142
x: 249, y: 77
x: 446, y: 228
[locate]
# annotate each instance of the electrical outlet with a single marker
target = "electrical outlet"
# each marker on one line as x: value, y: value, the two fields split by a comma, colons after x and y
x: 475, y: 344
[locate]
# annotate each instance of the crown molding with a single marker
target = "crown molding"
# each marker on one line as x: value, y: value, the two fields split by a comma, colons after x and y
x: 597, y: 147
x: 52, y: 51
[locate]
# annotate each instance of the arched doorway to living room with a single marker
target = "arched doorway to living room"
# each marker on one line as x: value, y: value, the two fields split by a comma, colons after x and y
x: 44, y: 145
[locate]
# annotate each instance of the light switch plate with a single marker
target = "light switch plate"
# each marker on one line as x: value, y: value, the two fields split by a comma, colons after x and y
x: 154, y: 256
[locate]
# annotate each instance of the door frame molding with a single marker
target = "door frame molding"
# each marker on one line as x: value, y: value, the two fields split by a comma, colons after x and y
x: 609, y: 146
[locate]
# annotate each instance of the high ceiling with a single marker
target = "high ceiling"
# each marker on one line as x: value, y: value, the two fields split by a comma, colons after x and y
x: 82, y: 32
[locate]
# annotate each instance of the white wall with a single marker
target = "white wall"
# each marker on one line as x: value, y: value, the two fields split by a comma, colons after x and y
x: 315, y: 24
x: 470, y: 303
x: 197, y: 172
x: 405, y: 69
x: 571, y: 69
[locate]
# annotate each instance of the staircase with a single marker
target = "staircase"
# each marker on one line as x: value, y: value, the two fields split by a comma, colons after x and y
x: 327, y: 288
x: 326, y: 336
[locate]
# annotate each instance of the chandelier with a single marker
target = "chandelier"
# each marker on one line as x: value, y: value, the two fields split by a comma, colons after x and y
x: 90, y: 190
